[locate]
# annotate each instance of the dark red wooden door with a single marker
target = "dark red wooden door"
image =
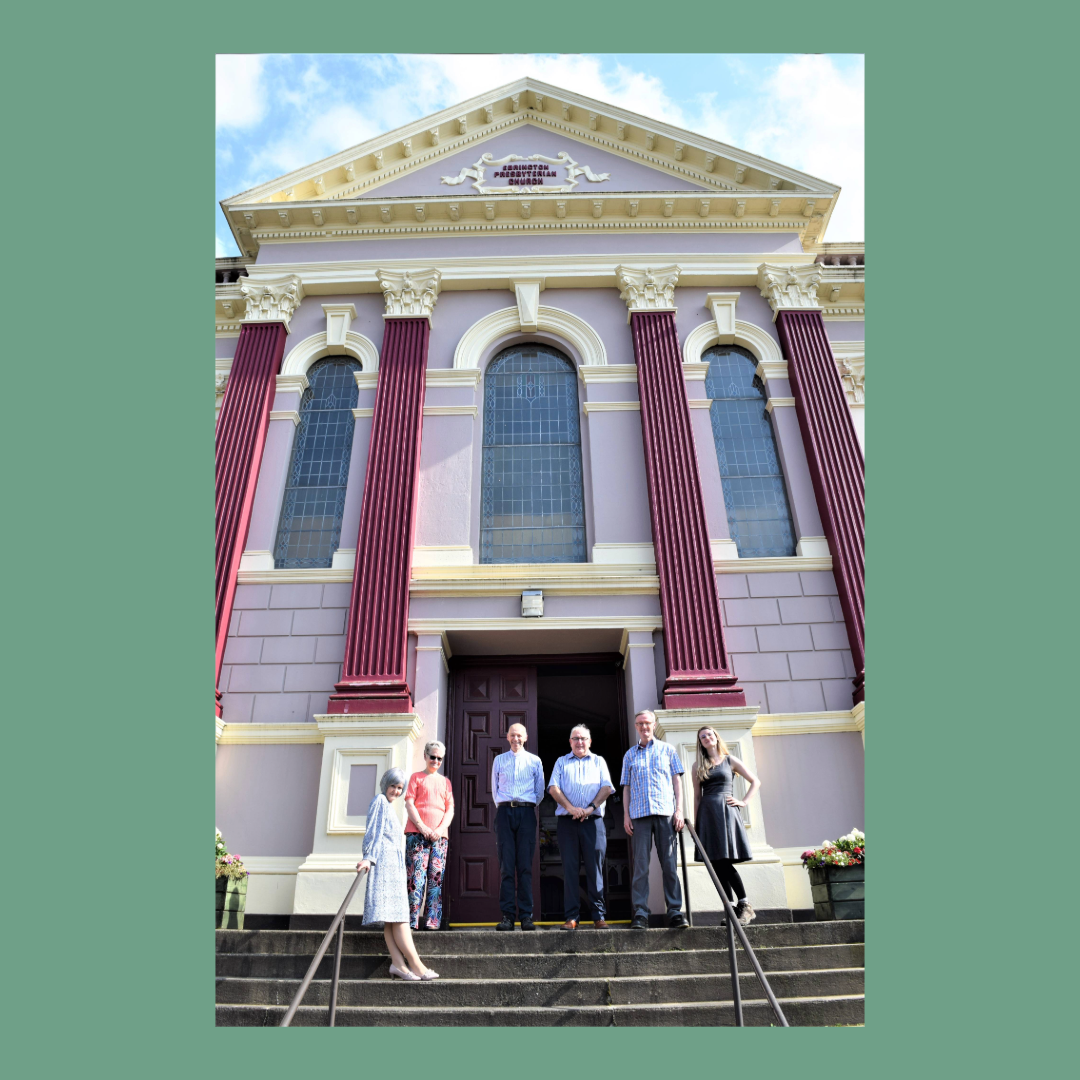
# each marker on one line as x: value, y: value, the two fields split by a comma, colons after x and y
x: 487, y: 700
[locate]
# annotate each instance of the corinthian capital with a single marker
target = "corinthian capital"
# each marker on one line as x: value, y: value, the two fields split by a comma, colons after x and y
x: 790, y: 288
x: 648, y: 289
x: 271, y: 299
x: 410, y: 294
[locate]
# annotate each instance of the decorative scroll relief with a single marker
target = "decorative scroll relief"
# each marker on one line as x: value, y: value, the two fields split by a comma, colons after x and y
x: 516, y: 175
x: 411, y: 294
x: 648, y: 289
x: 272, y: 299
x: 790, y: 288
x: 853, y: 371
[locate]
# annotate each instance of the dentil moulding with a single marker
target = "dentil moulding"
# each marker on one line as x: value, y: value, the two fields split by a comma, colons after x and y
x: 790, y: 288
x: 272, y: 299
x: 647, y: 289
x: 409, y: 295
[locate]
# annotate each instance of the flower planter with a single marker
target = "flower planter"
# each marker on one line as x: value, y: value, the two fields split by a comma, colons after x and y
x: 837, y: 891
x: 231, y: 898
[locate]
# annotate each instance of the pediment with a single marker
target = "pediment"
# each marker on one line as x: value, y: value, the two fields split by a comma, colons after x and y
x: 560, y: 144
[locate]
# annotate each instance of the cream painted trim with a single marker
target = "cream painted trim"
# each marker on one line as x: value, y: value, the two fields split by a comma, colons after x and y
x: 361, y: 414
x: 747, y: 335
x: 811, y: 723
x: 556, y: 579
x: 813, y: 547
x: 290, y: 384
x: 486, y: 331
x: 219, y: 727
x: 608, y: 373
x: 302, y: 355
x: 255, y: 734
x: 286, y: 414
x: 226, y: 330
x: 848, y: 350
x: 614, y: 554
x: 366, y: 380
x: 400, y: 725
x: 344, y: 559
x: 699, y: 403
x: 790, y: 564
x: 724, y: 550
x: 449, y: 410
x: 281, y: 865
x: 449, y: 377
x: 611, y: 406
x: 778, y: 403
x: 317, y: 576
x: 442, y: 555
x: 766, y: 371
x: 695, y: 370
x: 566, y: 622
x: 257, y: 560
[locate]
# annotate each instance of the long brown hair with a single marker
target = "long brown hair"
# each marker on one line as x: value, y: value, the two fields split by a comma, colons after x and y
x: 703, y: 764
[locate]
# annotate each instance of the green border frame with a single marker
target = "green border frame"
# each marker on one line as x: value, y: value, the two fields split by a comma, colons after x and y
x: 107, y: 647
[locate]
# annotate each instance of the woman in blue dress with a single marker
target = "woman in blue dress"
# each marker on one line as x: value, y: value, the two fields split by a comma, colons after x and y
x: 386, y: 899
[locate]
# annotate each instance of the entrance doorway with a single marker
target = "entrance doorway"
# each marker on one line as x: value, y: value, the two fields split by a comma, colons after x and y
x: 549, y: 695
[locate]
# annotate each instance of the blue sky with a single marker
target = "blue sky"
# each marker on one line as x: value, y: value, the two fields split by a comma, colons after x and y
x: 276, y: 113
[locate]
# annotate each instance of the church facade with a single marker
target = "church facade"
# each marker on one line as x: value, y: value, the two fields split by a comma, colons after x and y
x: 534, y: 411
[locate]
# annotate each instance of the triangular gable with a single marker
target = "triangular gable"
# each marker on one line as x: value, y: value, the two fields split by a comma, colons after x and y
x: 545, y: 171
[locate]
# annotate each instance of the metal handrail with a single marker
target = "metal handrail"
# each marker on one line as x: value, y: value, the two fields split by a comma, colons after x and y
x: 734, y: 927
x: 338, y: 924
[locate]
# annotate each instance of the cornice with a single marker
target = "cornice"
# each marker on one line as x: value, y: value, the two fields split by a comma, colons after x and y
x: 811, y: 723
x: 256, y: 734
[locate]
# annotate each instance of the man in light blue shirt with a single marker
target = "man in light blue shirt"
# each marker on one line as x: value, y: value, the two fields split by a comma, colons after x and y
x: 652, y: 813
x: 517, y: 786
x: 580, y: 782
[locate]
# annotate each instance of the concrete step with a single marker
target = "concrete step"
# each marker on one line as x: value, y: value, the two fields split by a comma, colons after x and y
x: 491, y: 942
x: 542, y: 993
x: 548, y: 965
x: 800, y: 1012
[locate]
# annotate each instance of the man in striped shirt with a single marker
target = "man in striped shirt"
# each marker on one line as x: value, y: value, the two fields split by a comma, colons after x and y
x: 517, y: 786
x: 580, y: 782
x: 652, y: 814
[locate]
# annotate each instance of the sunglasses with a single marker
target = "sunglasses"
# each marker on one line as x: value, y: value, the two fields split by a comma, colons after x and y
x: 434, y: 757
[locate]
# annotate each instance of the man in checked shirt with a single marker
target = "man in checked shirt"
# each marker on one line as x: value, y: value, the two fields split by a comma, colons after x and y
x: 652, y: 814
x: 517, y: 786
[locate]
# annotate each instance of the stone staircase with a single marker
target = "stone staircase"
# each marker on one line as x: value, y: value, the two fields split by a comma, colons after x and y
x: 589, y: 978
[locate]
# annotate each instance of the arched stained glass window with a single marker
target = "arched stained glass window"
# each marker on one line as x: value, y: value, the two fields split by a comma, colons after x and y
x: 310, y: 527
x: 754, y: 494
x: 533, y: 505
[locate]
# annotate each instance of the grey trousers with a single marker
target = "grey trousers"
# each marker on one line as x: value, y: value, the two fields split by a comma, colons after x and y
x: 654, y: 829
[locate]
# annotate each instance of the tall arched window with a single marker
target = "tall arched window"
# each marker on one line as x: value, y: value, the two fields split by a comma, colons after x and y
x: 533, y: 505
x: 754, y: 494
x: 310, y: 528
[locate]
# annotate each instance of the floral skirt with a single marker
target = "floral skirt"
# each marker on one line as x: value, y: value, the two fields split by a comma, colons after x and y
x: 425, y: 861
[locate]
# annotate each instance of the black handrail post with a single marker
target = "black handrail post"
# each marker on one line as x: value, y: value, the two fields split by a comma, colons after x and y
x: 287, y: 1019
x: 337, y: 971
x: 685, y: 879
x: 736, y: 990
x: 734, y: 923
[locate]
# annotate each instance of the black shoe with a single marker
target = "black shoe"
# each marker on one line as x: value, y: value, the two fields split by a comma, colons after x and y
x: 744, y: 912
x: 527, y: 923
x: 639, y: 922
x: 678, y: 921
x: 506, y: 924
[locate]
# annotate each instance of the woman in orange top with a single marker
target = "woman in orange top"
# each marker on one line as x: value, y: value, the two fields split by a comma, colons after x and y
x: 429, y: 803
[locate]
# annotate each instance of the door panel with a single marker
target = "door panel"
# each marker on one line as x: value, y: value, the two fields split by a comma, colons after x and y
x: 486, y: 701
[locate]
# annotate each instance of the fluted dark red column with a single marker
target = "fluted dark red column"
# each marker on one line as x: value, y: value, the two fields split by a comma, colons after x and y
x: 836, y: 464
x: 239, y: 441
x: 373, y: 673
x: 698, y: 670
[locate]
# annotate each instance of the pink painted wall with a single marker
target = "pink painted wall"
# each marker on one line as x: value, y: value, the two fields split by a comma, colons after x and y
x: 811, y: 786
x: 225, y: 348
x: 267, y: 797
x: 626, y: 174
x: 845, y: 331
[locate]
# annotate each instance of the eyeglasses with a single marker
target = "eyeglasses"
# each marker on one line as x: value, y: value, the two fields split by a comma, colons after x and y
x: 579, y: 738
x: 434, y: 757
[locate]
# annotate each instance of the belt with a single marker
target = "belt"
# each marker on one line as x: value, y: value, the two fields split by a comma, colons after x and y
x: 515, y: 802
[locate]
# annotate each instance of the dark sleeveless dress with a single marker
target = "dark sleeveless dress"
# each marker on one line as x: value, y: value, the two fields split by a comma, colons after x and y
x: 720, y: 826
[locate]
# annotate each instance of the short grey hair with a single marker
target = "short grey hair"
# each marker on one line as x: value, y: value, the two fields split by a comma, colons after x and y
x: 390, y: 778
x: 581, y: 727
x: 646, y: 712
x: 434, y: 745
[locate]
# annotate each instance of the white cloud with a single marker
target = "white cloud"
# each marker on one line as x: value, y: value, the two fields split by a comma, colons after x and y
x: 240, y: 97
x: 220, y: 250
x: 809, y: 116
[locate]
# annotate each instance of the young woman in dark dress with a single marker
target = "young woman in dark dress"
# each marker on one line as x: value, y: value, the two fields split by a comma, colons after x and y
x: 719, y: 823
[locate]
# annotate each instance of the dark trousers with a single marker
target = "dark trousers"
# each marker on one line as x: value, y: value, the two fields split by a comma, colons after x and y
x: 580, y: 840
x: 657, y: 829
x: 515, y: 840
